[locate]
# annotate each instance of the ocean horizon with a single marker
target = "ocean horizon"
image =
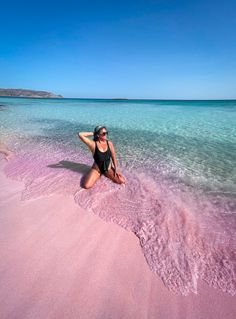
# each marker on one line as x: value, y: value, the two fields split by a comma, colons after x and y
x: 115, y: 98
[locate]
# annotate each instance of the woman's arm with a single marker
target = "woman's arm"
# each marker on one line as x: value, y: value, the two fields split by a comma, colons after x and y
x: 113, y: 156
x: 84, y: 138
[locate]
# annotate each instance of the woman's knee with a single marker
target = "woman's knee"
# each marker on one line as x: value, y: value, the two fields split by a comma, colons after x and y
x: 121, y: 180
x: 87, y: 185
x: 90, y: 179
x: 117, y: 180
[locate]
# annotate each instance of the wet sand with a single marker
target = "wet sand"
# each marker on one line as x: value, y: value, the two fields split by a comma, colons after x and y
x: 60, y: 261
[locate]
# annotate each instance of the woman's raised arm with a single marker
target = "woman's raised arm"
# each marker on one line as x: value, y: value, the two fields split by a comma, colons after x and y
x: 84, y: 138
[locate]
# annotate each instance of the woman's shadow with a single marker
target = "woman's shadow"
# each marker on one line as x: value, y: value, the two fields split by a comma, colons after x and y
x: 75, y: 167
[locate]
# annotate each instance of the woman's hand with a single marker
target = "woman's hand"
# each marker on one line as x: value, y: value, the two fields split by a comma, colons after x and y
x: 116, y: 172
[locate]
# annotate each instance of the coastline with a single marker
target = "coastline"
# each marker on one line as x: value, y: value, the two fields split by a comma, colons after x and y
x: 59, y: 261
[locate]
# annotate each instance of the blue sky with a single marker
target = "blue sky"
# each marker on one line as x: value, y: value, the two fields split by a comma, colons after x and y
x: 134, y: 49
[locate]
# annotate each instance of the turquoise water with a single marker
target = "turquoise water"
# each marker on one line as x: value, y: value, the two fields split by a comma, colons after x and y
x: 179, y: 161
x: 192, y: 141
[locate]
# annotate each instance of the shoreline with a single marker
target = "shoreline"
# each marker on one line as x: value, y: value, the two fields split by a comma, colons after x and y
x: 59, y: 261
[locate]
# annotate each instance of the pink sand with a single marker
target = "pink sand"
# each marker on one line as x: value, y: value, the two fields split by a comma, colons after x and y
x: 59, y: 261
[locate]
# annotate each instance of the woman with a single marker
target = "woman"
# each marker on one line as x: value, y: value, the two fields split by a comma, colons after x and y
x: 103, y: 154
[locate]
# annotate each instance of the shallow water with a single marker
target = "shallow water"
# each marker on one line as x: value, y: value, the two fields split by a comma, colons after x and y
x: 178, y: 158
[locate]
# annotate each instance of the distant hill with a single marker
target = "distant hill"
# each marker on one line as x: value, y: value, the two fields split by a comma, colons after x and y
x: 28, y: 93
x: 119, y: 98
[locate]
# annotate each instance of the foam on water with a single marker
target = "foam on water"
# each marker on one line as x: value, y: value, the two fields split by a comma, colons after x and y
x: 182, y: 211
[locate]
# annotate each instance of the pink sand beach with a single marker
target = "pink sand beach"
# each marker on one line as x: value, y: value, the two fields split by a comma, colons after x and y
x: 59, y: 261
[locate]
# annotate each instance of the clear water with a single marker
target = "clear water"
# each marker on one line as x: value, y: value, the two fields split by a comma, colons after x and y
x: 178, y: 158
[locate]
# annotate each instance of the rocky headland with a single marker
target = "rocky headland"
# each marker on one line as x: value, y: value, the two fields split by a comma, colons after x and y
x: 28, y: 93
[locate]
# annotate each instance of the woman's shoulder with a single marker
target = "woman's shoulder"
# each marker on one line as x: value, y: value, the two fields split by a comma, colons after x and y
x: 110, y: 144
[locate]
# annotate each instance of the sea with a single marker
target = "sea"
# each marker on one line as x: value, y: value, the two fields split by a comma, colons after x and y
x: 179, y: 162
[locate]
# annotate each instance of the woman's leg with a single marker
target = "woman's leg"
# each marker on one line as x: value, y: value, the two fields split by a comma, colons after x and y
x: 115, y: 178
x: 91, y: 177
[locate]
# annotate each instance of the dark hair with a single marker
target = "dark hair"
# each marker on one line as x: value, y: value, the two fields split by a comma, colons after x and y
x: 96, y: 131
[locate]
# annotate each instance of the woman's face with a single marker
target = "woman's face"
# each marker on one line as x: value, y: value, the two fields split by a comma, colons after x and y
x: 102, y: 135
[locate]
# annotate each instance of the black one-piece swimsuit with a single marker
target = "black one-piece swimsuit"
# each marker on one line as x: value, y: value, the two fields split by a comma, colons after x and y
x: 102, y: 159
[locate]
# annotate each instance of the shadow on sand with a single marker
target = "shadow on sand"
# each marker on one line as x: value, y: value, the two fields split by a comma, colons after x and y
x: 75, y: 167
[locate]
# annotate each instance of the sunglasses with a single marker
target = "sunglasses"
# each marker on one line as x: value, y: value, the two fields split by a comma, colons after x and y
x: 103, y: 133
